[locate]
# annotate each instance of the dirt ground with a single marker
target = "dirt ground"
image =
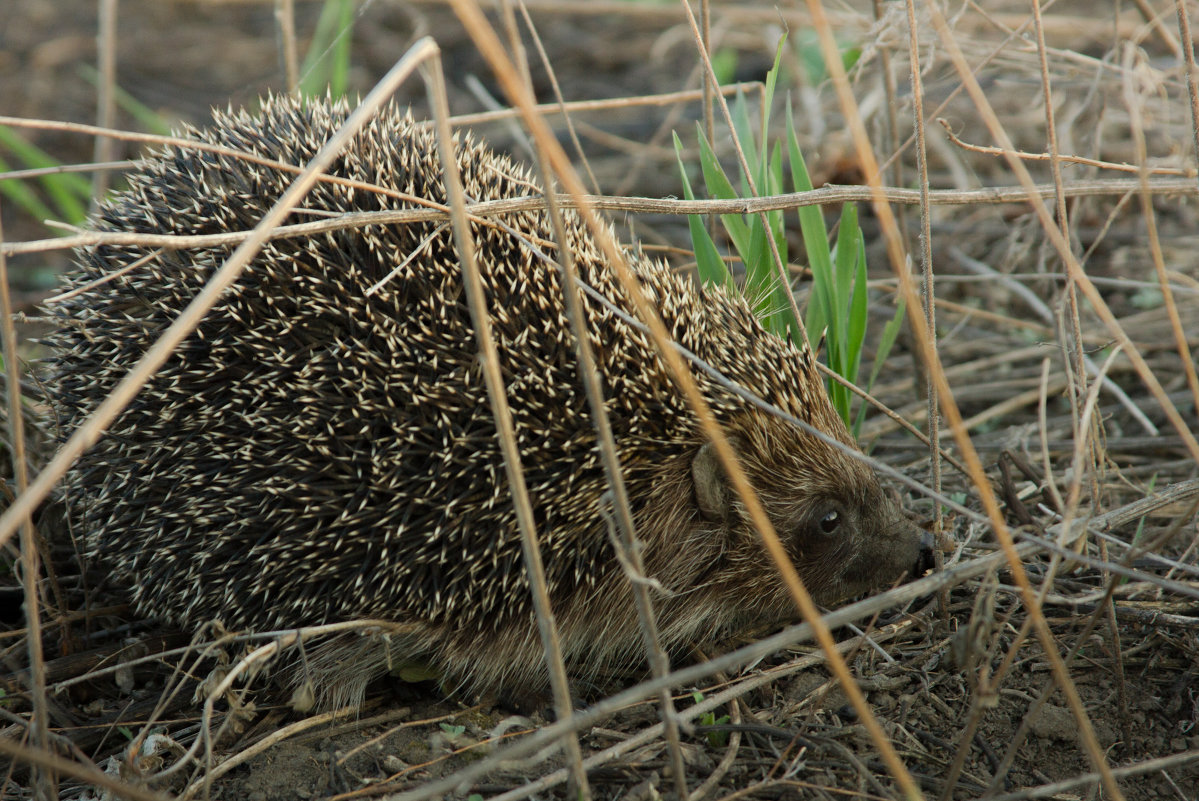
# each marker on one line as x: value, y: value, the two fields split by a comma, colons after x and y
x: 955, y: 673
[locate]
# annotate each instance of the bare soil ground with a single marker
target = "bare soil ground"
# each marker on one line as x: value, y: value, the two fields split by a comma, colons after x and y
x: 956, y: 670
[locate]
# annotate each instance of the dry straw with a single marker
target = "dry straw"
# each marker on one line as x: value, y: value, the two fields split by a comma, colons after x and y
x: 1079, y: 536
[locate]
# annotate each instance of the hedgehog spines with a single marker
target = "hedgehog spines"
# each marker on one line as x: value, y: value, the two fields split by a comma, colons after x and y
x: 321, y: 448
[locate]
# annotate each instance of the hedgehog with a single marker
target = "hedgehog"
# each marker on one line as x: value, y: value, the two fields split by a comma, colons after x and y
x: 321, y: 448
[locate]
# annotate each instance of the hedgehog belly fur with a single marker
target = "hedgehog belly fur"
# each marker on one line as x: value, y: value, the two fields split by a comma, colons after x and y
x: 317, y: 452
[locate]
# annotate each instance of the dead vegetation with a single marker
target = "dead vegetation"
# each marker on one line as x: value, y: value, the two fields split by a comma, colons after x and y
x: 1054, y: 654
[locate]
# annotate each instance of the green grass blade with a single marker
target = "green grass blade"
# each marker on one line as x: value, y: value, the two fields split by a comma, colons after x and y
x: 743, y: 127
x: 68, y: 192
x: 787, y: 325
x: 885, y: 342
x: 858, y: 313
x: 845, y: 345
x: 339, y: 72
x: 327, y: 64
x: 758, y: 275
x: 720, y: 187
x: 149, y: 119
x: 815, y: 239
x: 845, y: 253
x: 724, y: 65
x: 845, y: 259
x: 771, y: 82
x: 774, y: 186
x: 23, y: 197
x: 711, y: 267
x: 709, y: 264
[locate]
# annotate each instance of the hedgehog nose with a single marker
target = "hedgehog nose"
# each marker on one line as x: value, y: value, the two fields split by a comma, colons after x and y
x: 925, y: 560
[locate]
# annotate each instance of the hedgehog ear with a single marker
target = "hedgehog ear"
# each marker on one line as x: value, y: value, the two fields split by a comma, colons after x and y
x: 713, y: 494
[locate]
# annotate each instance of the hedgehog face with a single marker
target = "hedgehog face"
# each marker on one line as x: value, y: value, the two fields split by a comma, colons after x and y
x: 863, y: 538
x: 844, y: 536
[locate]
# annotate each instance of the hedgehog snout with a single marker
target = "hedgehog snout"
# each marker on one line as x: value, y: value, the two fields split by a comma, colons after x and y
x: 892, y: 547
x: 925, y: 558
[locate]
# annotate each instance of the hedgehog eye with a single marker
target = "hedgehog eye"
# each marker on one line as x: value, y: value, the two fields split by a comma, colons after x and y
x: 830, y: 522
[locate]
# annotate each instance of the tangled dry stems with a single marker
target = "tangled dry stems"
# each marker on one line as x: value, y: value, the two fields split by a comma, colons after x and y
x: 1138, y: 636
